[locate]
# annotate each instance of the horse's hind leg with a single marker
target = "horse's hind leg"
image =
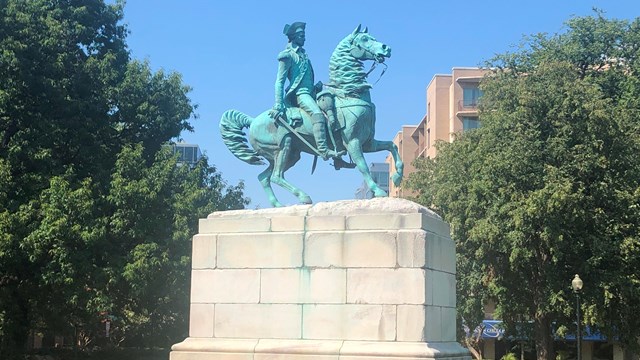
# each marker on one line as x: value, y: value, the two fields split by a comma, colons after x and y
x: 265, y: 181
x: 377, y: 145
x: 355, y: 150
x: 283, y: 161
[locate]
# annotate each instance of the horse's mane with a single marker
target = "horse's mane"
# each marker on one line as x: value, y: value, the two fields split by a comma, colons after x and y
x: 346, y: 73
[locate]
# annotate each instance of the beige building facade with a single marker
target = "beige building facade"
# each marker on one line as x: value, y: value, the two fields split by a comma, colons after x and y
x: 452, y: 106
x: 407, y: 148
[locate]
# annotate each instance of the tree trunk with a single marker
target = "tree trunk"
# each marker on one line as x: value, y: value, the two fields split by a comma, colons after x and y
x: 474, y: 347
x: 543, y: 338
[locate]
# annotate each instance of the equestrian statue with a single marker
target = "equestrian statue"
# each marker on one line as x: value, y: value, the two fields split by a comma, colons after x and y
x: 325, y: 120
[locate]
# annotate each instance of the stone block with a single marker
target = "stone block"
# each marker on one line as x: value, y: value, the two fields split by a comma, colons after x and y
x: 412, y: 248
x: 375, y: 222
x: 389, y: 221
x: 201, y: 320
x: 264, y: 250
x: 433, y: 324
x: 211, y: 348
x: 203, y: 252
x: 411, y: 322
x: 436, y: 226
x: 441, y: 253
x: 449, y: 253
x: 429, y: 289
x: 359, y: 350
x: 216, y: 345
x: 225, y: 286
x: 267, y: 356
x: 256, y: 321
x: 297, y: 286
x: 326, y: 223
x: 268, y: 349
x: 349, y: 322
x: 433, y: 251
x: 293, y: 210
x: 388, y: 357
x: 443, y: 289
x: 323, y: 249
x: 350, y: 249
x: 448, y: 328
x: 386, y: 286
x: 235, y: 225
x: 192, y: 355
x: 287, y: 223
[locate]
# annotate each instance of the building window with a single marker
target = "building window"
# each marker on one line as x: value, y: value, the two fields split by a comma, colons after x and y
x: 428, y: 138
x: 470, y: 96
x: 381, y: 178
x: 380, y: 174
x: 187, y: 153
x: 470, y: 122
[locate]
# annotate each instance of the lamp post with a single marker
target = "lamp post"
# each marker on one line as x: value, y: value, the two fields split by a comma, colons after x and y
x: 576, y: 285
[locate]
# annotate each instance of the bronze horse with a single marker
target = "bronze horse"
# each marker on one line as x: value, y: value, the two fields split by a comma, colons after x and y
x: 355, y: 112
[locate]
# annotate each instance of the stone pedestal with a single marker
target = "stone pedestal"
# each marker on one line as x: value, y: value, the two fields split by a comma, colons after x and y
x: 356, y: 279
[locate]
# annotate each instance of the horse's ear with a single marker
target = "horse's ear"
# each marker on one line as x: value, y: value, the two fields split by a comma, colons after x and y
x: 357, y: 30
x: 366, y: 29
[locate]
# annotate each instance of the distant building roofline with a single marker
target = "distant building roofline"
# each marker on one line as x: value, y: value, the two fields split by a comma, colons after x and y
x: 436, y: 76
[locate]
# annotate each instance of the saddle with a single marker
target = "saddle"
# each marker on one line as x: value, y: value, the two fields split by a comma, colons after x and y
x: 299, y: 122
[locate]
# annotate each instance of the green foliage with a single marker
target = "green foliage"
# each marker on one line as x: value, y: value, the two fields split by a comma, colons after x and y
x: 95, y: 215
x: 549, y: 186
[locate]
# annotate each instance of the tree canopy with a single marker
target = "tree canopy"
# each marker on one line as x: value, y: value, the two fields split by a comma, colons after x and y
x: 549, y: 186
x: 95, y: 213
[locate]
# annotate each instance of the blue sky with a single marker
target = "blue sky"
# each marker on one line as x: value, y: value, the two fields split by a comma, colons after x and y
x: 226, y: 51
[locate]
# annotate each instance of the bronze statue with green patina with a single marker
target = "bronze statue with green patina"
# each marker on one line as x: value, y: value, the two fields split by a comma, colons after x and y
x: 294, y: 65
x: 297, y: 123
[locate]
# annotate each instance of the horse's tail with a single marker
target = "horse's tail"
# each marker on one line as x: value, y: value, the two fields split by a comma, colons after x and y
x: 231, y: 126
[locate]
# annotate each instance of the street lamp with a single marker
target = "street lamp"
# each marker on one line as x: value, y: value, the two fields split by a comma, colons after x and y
x: 576, y: 285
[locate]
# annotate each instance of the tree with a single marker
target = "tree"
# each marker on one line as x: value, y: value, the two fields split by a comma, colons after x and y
x: 549, y: 186
x: 92, y: 207
x: 157, y: 210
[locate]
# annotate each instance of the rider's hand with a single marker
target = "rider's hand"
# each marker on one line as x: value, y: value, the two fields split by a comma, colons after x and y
x: 277, y: 109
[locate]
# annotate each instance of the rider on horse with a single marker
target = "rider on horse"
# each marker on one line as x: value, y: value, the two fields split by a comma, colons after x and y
x: 294, y: 65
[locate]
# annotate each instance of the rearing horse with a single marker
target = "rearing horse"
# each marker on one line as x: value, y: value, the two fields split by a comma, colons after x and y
x: 355, y: 112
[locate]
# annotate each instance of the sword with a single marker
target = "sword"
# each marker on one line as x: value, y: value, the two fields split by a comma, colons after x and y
x: 281, y: 119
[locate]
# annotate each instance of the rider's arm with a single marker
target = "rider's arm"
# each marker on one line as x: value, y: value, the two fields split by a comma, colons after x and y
x: 284, y: 62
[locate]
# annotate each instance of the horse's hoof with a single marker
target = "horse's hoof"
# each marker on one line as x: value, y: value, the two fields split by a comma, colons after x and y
x: 397, y: 179
x: 380, y: 193
x: 305, y: 200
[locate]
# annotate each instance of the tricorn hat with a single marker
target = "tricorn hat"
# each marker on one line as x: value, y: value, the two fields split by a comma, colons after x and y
x: 290, y: 30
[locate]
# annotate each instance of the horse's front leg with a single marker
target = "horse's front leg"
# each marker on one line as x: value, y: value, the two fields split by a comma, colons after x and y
x: 354, y: 148
x: 283, y: 161
x: 377, y: 145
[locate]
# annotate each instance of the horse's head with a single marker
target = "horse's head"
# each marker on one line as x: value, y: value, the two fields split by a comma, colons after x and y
x: 366, y: 47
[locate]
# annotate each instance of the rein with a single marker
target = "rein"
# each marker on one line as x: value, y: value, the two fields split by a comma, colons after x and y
x: 373, y: 66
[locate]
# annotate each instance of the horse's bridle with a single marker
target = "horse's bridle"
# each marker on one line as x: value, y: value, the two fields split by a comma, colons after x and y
x: 373, y: 57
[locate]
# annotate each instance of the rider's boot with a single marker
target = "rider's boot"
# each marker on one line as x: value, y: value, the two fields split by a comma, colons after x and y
x: 320, y: 134
x: 338, y: 163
